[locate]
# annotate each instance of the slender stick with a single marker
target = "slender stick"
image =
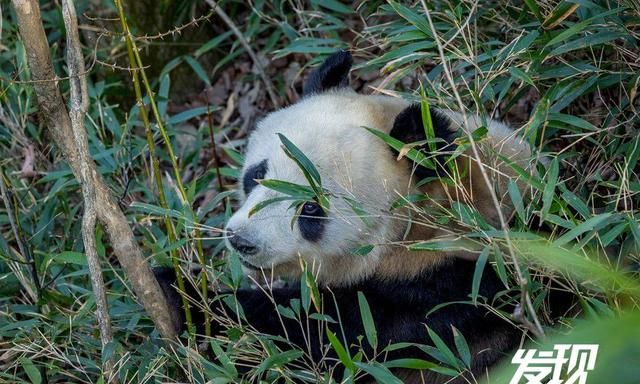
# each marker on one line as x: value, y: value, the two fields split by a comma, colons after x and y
x: 174, y: 163
x: 79, y: 102
x: 171, y: 232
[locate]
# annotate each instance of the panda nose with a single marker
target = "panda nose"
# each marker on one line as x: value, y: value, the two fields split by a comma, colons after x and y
x: 241, y: 244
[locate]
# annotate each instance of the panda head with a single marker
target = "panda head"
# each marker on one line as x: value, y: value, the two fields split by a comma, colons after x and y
x: 327, y: 125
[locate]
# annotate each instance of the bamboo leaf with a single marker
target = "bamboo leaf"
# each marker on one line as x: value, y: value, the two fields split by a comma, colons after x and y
x: 379, y: 372
x: 367, y: 321
x: 477, y: 273
x: 549, y: 188
x: 462, y: 347
x: 278, y: 360
x: 587, y: 225
x: 442, y: 347
x: 342, y: 353
x: 559, y: 13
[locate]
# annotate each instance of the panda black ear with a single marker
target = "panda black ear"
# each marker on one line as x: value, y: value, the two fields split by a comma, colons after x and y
x: 408, y: 128
x: 333, y: 73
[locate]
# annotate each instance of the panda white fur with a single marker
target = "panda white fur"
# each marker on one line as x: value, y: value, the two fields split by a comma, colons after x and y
x: 401, y: 286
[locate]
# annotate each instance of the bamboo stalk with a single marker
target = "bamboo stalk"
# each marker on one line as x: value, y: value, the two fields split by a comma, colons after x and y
x: 171, y: 232
x: 174, y: 164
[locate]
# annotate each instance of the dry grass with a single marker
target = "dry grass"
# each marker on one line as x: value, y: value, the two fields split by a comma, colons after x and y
x: 566, y: 77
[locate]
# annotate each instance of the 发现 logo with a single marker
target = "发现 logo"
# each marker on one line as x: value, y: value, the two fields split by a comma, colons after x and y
x: 565, y: 364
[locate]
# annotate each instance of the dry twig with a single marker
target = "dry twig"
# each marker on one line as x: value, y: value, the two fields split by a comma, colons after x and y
x: 79, y: 102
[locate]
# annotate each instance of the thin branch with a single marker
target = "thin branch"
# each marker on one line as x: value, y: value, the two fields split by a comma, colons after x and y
x: 79, y: 101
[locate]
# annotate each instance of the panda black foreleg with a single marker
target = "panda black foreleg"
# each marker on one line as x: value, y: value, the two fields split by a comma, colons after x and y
x: 254, y: 307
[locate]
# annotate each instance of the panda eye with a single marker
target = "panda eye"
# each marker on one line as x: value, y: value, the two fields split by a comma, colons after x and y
x: 310, y: 221
x: 311, y: 209
x: 257, y: 171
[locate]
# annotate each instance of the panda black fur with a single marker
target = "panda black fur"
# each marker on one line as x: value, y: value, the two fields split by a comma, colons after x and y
x: 400, y: 286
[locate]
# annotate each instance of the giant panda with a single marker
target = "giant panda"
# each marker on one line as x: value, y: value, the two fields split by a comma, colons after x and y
x: 401, y: 286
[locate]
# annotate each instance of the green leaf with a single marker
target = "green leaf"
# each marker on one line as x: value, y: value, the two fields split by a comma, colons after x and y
x: 69, y: 257
x: 294, y: 190
x: 618, y: 341
x: 211, y: 44
x: 522, y: 173
x: 573, y: 30
x: 592, y: 273
x: 367, y: 321
x: 362, y: 250
x: 264, y: 203
x: 310, y: 172
x: 305, y: 292
x: 223, y: 358
x: 398, y: 145
x: 278, y: 360
x: 549, y: 188
x: 572, y: 120
x: 587, y: 225
x: 612, y: 234
x: 444, y: 245
x: 379, y: 372
x: 410, y: 364
x: 197, y: 68
x: 533, y: 7
x: 516, y: 199
x: 477, y: 273
x: 308, y: 169
x: 333, y: 5
x: 521, y: 75
x: 501, y: 269
x: 314, y: 292
x: 563, y: 10
x: 156, y: 210
x: 190, y: 114
x: 235, y: 267
x: 442, y: 347
x: 415, y: 19
x: 427, y: 123
x: 32, y: 372
x: 356, y: 207
x: 538, y: 119
x: 342, y: 353
x: 575, y: 202
x: 590, y: 40
x: 462, y: 347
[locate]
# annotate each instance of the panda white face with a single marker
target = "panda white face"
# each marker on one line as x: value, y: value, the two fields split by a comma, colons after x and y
x: 352, y: 162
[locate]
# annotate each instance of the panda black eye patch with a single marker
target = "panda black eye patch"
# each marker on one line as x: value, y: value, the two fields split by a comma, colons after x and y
x: 257, y: 171
x: 311, y: 221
